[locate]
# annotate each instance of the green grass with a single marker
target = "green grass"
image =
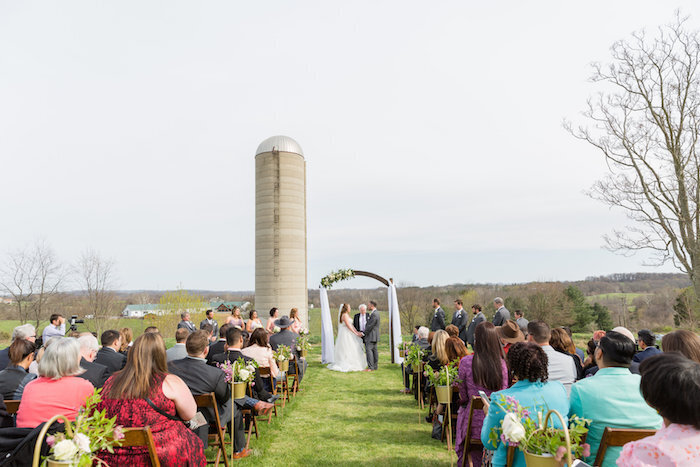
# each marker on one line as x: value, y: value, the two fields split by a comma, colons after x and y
x: 349, y: 419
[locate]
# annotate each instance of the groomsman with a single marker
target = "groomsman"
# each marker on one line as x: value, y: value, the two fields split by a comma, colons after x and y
x: 186, y: 323
x: 502, y: 313
x: 459, y: 319
x: 478, y: 318
x: 438, y: 321
x: 210, y: 320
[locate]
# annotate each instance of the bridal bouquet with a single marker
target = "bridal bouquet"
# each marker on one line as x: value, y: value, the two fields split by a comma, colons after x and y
x: 91, y: 431
x: 239, y: 371
x: 532, y: 437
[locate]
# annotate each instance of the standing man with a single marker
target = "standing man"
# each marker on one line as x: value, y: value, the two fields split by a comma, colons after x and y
x: 210, y: 320
x: 478, y: 318
x: 56, y: 328
x: 360, y: 319
x: 371, y: 336
x: 460, y: 319
x: 502, y: 313
x: 522, y: 322
x: 438, y: 321
x: 186, y: 323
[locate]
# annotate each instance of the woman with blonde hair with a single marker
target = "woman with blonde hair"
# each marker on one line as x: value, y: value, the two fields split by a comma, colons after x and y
x: 127, y: 336
x: 682, y: 341
x: 562, y: 343
x: 236, y: 319
x: 296, y: 322
x: 438, y: 354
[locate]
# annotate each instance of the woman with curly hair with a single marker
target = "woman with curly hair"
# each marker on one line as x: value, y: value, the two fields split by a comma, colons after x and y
x: 528, y: 363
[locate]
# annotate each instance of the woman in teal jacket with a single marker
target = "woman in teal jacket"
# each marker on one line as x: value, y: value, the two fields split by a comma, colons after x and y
x: 528, y: 363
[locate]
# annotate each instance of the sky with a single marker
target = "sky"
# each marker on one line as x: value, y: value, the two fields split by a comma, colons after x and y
x: 432, y: 133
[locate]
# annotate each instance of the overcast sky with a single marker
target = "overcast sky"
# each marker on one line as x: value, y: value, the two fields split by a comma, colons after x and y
x: 432, y: 133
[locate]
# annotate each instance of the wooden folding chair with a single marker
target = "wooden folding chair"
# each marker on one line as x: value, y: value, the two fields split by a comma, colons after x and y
x: 282, y: 387
x: 469, y: 443
x: 618, y: 437
x: 12, y: 406
x: 217, y: 438
x: 295, y: 376
x: 265, y: 372
x: 252, y: 422
x: 453, y: 415
x: 136, y: 437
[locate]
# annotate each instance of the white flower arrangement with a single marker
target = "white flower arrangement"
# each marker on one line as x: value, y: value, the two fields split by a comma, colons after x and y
x: 337, y: 276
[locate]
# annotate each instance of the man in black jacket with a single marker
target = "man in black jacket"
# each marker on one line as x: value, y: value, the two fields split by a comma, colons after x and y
x: 438, y: 321
x: 96, y: 373
x: 219, y: 346
x: 109, y: 355
x: 460, y: 320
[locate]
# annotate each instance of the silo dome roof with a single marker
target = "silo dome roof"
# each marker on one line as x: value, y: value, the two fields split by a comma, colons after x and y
x: 279, y: 143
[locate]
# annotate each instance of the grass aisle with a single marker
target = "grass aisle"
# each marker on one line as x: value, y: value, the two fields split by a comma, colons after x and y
x: 349, y: 419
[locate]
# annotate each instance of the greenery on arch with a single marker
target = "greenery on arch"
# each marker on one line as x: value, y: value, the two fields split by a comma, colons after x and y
x: 337, y: 276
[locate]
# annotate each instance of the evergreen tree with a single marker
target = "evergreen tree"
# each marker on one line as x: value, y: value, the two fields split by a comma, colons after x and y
x: 602, y: 317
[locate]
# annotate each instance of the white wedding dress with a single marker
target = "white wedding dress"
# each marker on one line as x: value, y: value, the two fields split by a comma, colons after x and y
x: 349, y: 351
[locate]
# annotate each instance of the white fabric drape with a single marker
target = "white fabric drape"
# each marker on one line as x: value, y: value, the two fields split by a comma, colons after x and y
x: 395, y: 322
x: 327, y: 343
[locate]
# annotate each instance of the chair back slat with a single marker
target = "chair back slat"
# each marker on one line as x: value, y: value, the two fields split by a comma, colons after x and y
x: 12, y: 406
x: 136, y: 437
x: 616, y: 437
x: 469, y: 443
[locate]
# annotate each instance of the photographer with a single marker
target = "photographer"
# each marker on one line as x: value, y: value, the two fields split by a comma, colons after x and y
x: 56, y: 328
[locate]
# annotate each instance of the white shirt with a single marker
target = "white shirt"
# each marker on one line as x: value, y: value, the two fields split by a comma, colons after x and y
x: 561, y: 367
x: 363, y: 321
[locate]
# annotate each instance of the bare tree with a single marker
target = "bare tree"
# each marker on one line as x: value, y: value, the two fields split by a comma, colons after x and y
x: 19, y: 280
x: 646, y: 122
x: 50, y: 275
x: 97, y: 281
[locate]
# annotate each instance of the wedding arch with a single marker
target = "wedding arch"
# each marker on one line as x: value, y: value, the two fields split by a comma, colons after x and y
x: 327, y: 342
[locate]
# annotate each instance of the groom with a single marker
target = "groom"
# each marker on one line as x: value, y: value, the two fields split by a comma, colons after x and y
x: 370, y: 335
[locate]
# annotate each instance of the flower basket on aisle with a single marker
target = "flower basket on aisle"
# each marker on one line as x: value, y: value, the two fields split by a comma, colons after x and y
x: 444, y: 381
x: 239, y: 374
x: 282, y: 356
x: 402, y: 349
x: 414, y: 357
x: 303, y: 344
x: 541, y: 444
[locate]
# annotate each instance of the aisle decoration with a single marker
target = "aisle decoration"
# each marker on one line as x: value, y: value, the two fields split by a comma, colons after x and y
x: 542, y: 445
x: 337, y: 276
x: 303, y: 344
x: 238, y: 374
x: 91, y: 432
x: 444, y: 380
x: 414, y: 357
x: 282, y: 356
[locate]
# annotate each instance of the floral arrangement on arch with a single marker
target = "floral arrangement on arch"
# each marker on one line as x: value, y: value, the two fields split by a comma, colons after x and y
x: 282, y: 353
x: 337, y: 276
x: 91, y: 432
x: 239, y: 371
x: 529, y: 435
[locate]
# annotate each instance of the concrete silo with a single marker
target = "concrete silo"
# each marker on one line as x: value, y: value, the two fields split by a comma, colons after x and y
x: 280, y: 227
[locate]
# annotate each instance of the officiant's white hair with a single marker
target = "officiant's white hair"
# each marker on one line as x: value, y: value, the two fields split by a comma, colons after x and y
x: 362, y: 307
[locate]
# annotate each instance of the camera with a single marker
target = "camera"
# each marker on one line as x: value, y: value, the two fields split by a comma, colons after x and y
x: 73, y: 321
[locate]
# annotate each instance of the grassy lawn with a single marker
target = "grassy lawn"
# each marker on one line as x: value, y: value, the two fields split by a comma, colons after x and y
x: 349, y: 419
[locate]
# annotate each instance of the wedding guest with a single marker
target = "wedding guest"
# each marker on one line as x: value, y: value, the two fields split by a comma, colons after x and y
x: 455, y: 349
x: 209, y: 330
x: 57, y: 328
x: 220, y: 345
x: 25, y: 331
x: 15, y: 377
x: 577, y: 351
x: 288, y: 338
x: 438, y: 321
x: 478, y: 318
x: 633, y: 367
x: 612, y: 398
x: 510, y: 334
x: 589, y: 362
x: 145, y: 394
x: 296, y: 322
x: 647, y: 342
x: 502, y: 314
x: 438, y: 355
x: 670, y: 383
x: 94, y: 372
x: 422, y: 342
x: 253, y: 322
x: 58, y: 389
x: 209, y: 319
x: 186, y: 322
x: 236, y: 319
x: 452, y: 330
x: 414, y: 337
x: 460, y: 320
x: 259, y: 350
x: 561, y: 342
x: 179, y: 350
x: 151, y: 329
x: 485, y: 370
x: 109, y: 355
x: 270, y: 325
x: 685, y: 342
x: 522, y: 322
x: 127, y: 338
x: 528, y: 363
x: 560, y: 367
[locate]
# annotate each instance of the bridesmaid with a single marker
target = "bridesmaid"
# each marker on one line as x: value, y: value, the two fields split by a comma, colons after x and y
x: 296, y: 322
x: 253, y: 322
x: 274, y: 314
x: 236, y: 319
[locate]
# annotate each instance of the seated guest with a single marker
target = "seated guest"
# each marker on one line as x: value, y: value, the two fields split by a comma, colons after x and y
x: 259, y: 350
x: 144, y: 394
x: 58, y: 390
x: 151, y: 329
x: 415, y: 337
x: 647, y: 342
x: 209, y: 329
x: 270, y: 326
x: 422, y: 342
x: 56, y: 328
x: 452, y: 330
x: 671, y: 385
x: 685, y: 342
x: 611, y: 397
x: 455, y: 349
x: 204, y: 379
x: 179, y: 350
x: 25, y: 331
x: 127, y: 338
x: 634, y: 366
x: 109, y: 355
x: 94, y: 372
x: 561, y: 342
x: 220, y: 345
x: 437, y: 357
x: 288, y: 338
x: 234, y: 345
x: 15, y: 377
x: 589, y: 362
x: 560, y: 367
x: 510, y: 334
x: 486, y: 371
x: 579, y: 352
x: 528, y: 363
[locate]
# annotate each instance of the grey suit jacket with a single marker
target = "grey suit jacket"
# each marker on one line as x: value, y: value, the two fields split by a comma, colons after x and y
x: 176, y: 352
x: 285, y: 337
x: 460, y: 320
x: 189, y: 325
x: 478, y: 318
x: 438, y: 321
x: 215, y: 324
x: 502, y: 315
x: 372, y: 327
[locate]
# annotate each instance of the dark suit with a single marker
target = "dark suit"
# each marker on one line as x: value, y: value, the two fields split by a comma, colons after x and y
x: 96, y: 373
x: 213, y: 323
x: 438, y: 321
x: 288, y: 338
x: 13, y: 379
x: 646, y: 353
x: 460, y: 320
x: 478, y: 318
x: 259, y: 391
x: 356, y: 321
x: 113, y: 360
x: 502, y: 315
x: 215, y: 349
x: 189, y: 325
x: 4, y: 358
x: 371, y: 338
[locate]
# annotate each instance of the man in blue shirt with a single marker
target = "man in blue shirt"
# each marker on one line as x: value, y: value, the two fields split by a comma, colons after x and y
x: 56, y: 328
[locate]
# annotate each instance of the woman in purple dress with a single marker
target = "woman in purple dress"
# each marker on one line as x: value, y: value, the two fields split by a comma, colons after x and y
x: 486, y: 371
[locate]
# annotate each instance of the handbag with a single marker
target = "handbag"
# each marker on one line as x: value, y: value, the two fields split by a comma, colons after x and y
x: 437, y: 430
x: 166, y: 414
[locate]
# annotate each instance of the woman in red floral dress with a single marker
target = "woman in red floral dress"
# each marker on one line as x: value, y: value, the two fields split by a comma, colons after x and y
x: 126, y: 395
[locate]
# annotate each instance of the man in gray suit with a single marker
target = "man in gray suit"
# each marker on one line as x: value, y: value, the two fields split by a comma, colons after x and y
x: 210, y: 320
x: 186, y: 323
x: 438, y: 321
x: 371, y: 336
x: 502, y: 313
x: 460, y: 319
x: 478, y: 318
x: 178, y: 351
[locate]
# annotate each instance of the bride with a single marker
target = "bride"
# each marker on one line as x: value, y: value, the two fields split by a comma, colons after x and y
x: 349, y: 351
